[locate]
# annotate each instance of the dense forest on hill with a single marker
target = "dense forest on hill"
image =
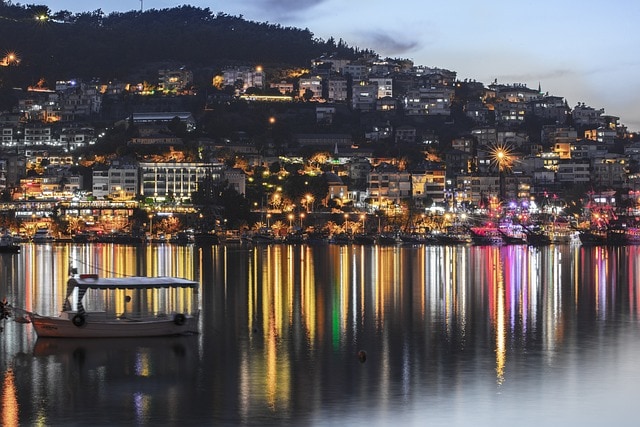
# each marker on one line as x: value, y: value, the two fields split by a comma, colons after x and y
x: 58, y: 45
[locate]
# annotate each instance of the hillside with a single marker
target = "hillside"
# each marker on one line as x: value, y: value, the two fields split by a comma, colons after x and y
x: 120, y: 45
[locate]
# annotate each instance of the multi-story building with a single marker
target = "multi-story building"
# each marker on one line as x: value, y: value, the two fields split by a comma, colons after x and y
x: 178, y: 81
x: 242, y: 78
x: 7, y: 136
x: 426, y: 101
x: 176, y: 181
x: 364, y: 97
x: 384, y: 86
x: 312, y: 84
x: 100, y: 186
x: 357, y: 71
x: 584, y: 115
x: 283, y: 87
x: 237, y: 179
x: 73, y: 138
x: 428, y: 185
x: 337, y: 89
x: 602, y: 135
x: 609, y: 171
x: 123, y: 180
x: 388, y: 185
x: 573, y: 172
x: 35, y: 135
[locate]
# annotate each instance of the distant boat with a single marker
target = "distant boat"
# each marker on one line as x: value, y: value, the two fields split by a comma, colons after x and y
x: 593, y: 237
x: 42, y: 235
x: 76, y: 321
x: 486, y: 236
x: 204, y: 238
x: 8, y: 243
x: 364, y: 239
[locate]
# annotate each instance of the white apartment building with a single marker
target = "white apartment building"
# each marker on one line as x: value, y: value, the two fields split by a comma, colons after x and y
x: 100, y: 187
x: 244, y: 77
x: 123, y: 180
x: 429, y: 101
x: 358, y: 72
x: 161, y: 181
x: 7, y: 137
x: 384, y: 84
x: 312, y: 83
x: 37, y: 135
x: 388, y: 185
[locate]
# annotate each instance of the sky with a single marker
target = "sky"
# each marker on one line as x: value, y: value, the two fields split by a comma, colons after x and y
x: 585, y: 51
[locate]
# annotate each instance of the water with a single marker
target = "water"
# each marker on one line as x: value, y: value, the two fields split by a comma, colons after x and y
x: 452, y: 336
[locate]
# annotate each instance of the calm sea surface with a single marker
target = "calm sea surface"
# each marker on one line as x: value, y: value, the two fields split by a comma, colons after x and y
x: 482, y: 336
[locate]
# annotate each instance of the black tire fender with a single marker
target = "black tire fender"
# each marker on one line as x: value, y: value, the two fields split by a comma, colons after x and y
x: 179, y: 319
x: 79, y: 320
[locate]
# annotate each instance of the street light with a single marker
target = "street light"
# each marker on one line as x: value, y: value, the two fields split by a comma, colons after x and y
x: 290, y: 220
x: 346, y: 222
x: 362, y: 217
x: 151, y: 224
x: 301, y: 218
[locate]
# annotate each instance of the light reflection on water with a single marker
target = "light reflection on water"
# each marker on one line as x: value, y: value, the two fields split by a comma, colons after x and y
x: 462, y: 335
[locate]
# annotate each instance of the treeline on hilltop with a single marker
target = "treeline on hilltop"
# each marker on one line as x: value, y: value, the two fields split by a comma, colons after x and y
x: 58, y: 45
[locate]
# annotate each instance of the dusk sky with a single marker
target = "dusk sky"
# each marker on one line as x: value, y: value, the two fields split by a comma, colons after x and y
x: 585, y: 51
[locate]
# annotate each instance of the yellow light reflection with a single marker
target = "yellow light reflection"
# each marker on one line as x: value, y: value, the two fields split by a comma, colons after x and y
x: 10, y: 407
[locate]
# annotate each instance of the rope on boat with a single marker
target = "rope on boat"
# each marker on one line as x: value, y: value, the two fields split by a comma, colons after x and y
x: 19, y: 315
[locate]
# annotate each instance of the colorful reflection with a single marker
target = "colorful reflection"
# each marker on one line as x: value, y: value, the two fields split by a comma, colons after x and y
x: 284, y: 325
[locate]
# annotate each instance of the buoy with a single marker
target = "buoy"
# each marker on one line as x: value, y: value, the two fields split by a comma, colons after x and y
x: 362, y: 356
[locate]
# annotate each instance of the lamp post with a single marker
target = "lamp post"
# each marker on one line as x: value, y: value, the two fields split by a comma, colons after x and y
x: 290, y: 220
x: 362, y: 217
x: 151, y: 224
x: 346, y: 223
x: 301, y: 218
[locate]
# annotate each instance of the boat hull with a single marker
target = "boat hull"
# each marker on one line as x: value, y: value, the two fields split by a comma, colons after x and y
x: 64, y: 327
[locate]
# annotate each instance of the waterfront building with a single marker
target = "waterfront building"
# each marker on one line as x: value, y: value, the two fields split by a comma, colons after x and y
x: 175, y: 181
x: 387, y: 184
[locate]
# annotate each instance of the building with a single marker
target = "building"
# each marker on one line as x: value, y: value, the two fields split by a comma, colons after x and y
x: 428, y: 185
x: 388, y: 185
x: 242, y: 78
x: 337, y: 89
x: 177, y: 81
x: 364, y: 97
x: 172, y: 181
x: 384, y: 86
x: 312, y: 84
x: 427, y: 101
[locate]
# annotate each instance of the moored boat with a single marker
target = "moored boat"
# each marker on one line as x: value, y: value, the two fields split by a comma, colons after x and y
x: 105, y: 317
x: 8, y: 244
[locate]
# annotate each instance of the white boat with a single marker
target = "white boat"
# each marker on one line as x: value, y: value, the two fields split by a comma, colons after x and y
x: 123, y: 307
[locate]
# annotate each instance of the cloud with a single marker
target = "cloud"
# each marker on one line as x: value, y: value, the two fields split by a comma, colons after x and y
x: 386, y: 43
x: 282, y: 10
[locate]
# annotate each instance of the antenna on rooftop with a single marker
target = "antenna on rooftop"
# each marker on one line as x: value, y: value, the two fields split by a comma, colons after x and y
x: 141, y: 5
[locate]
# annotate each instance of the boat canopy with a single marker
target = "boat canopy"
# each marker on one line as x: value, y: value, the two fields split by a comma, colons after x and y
x: 92, y: 281
x: 84, y: 282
